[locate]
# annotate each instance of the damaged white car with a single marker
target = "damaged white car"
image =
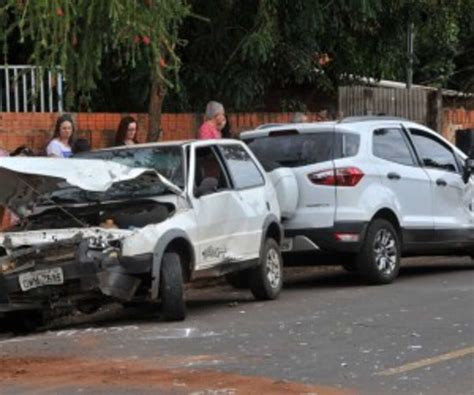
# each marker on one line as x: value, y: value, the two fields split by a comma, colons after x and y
x: 135, y: 224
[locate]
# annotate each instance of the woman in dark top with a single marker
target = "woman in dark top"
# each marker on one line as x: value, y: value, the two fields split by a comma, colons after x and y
x: 127, y: 132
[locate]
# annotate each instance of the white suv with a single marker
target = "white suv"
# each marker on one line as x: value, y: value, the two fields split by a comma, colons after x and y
x: 369, y: 190
x: 133, y: 223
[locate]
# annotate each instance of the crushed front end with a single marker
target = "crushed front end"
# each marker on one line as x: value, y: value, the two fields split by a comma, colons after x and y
x: 71, y: 269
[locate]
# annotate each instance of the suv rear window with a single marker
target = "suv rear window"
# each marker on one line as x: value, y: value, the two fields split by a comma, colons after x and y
x: 303, y: 149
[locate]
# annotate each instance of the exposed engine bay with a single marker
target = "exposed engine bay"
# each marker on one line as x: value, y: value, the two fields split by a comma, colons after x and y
x: 122, y: 215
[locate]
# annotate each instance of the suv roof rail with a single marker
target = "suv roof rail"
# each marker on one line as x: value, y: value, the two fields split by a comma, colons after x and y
x: 268, y: 125
x: 364, y: 118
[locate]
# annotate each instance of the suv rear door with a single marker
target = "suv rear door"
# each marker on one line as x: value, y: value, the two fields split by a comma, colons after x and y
x: 408, y: 183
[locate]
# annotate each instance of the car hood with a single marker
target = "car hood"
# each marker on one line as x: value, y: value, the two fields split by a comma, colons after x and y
x: 24, y: 180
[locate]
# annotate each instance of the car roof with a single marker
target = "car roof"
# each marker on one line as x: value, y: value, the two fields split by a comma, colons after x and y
x: 307, y: 127
x: 170, y: 143
x: 357, y: 124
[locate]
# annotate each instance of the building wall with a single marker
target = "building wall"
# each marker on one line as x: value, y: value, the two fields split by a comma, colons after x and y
x: 36, y: 129
x: 454, y: 119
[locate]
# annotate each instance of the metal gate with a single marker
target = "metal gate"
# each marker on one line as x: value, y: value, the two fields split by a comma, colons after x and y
x: 30, y: 89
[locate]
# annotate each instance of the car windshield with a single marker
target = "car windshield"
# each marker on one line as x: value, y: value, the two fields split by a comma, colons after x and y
x: 168, y: 161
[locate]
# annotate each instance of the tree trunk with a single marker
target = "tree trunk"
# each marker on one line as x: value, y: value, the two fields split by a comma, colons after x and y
x: 157, y: 95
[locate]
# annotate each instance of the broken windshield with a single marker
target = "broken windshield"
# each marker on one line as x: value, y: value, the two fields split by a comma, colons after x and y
x: 168, y: 161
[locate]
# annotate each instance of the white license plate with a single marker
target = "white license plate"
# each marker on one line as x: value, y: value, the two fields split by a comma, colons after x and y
x: 287, y: 245
x: 40, y: 278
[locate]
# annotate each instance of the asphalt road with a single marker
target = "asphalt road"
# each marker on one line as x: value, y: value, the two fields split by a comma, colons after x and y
x: 327, y: 334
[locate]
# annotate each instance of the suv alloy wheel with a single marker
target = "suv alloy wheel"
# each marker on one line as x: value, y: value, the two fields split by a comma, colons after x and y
x: 379, y: 259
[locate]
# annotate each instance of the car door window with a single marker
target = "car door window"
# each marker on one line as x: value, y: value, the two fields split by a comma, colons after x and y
x: 390, y: 144
x: 208, y: 165
x: 433, y: 152
x: 244, y: 172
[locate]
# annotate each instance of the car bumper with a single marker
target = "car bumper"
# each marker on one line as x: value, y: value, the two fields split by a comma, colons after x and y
x: 343, y: 237
x: 82, y: 280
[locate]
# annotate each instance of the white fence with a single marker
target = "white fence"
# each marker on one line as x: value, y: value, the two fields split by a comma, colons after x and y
x: 30, y: 89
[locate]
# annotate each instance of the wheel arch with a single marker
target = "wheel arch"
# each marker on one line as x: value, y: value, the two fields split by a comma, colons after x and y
x: 175, y: 240
x: 390, y: 216
x: 272, y: 229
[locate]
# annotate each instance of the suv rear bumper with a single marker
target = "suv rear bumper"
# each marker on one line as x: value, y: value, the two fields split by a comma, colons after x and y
x: 325, y: 239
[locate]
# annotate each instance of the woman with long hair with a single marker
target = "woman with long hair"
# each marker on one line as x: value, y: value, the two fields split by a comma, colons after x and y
x: 61, y: 142
x: 127, y: 131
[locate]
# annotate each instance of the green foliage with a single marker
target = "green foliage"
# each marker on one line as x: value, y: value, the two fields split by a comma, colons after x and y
x: 244, y: 53
x: 78, y: 35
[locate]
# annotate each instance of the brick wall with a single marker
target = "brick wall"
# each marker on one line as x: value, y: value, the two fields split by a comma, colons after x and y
x: 35, y: 129
x: 454, y: 119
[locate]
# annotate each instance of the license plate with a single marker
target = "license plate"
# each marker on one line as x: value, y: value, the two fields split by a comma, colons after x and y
x: 40, y: 278
x: 287, y: 245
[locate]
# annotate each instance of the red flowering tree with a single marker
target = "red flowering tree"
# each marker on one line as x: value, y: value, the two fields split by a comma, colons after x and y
x: 78, y: 35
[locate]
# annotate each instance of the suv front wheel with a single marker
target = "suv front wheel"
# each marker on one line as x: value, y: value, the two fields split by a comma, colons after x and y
x: 378, y: 262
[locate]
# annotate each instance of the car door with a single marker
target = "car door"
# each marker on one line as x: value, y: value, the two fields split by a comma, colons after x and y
x: 218, y: 212
x: 409, y: 184
x: 249, y: 185
x: 452, y: 197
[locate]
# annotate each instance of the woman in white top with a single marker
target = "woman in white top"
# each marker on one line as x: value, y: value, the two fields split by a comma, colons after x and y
x: 60, y: 144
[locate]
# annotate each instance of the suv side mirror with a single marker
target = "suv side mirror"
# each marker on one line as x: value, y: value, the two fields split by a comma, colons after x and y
x: 468, y: 169
x: 208, y: 185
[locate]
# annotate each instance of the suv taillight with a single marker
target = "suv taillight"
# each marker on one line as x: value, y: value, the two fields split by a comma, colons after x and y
x: 343, y: 177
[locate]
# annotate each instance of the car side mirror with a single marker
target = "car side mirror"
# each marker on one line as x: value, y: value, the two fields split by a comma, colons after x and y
x: 208, y: 185
x: 468, y: 169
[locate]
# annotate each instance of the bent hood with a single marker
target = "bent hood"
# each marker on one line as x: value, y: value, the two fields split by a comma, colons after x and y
x: 24, y: 180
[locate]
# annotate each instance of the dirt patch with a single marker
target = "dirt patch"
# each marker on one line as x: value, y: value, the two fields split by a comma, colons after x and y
x: 56, y: 373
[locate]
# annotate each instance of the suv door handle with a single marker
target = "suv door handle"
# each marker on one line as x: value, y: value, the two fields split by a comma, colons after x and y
x: 393, y: 176
x: 441, y: 183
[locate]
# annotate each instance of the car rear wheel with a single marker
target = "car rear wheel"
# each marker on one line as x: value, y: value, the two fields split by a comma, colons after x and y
x: 266, y: 280
x: 379, y: 259
x: 172, y: 288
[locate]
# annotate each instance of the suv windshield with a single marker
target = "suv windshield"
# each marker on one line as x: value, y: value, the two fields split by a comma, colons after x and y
x: 168, y: 161
x: 293, y: 150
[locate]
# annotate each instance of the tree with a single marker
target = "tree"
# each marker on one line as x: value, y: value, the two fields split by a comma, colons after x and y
x: 253, y: 54
x: 78, y: 35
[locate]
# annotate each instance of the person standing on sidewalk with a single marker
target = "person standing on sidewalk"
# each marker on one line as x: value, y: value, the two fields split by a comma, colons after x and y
x: 215, y: 121
x: 127, y: 132
x: 61, y: 143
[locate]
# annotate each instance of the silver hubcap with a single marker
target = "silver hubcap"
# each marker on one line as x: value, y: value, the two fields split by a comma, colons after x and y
x: 273, y: 268
x: 385, y: 252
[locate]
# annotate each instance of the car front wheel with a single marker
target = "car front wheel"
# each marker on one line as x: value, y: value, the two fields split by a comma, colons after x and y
x: 172, y: 288
x: 266, y: 280
x: 379, y: 259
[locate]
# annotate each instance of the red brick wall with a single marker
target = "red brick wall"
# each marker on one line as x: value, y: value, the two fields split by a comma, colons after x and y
x: 35, y: 129
x: 454, y: 119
